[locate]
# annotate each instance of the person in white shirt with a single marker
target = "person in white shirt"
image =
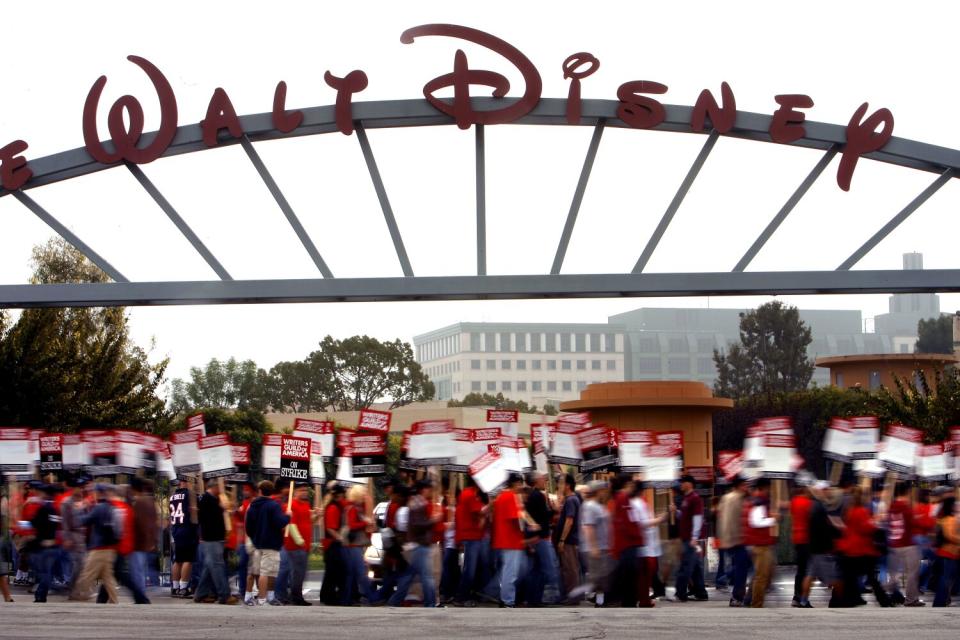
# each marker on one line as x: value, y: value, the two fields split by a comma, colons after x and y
x: 650, y: 552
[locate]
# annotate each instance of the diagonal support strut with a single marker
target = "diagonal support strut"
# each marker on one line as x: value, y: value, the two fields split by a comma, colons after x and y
x: 578, y: 196
x: 285, y: 206
x: 677, y: 201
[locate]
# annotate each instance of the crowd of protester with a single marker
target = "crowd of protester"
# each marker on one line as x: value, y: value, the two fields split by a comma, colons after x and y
x: 603, y: 542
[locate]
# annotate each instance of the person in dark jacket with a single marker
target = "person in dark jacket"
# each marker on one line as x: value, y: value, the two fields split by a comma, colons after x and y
x: 264, y: 525
x: 44, y: 549
x: 420, y: 528
x: 104, y: 537
x: 144, y: 530
x: 213, y: 533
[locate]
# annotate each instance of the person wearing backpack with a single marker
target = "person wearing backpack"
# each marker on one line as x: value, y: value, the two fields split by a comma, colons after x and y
x: 126, y: 541
x: 101, y: 523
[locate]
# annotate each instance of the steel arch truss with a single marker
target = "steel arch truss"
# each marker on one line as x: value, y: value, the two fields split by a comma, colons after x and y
x: 598, y: 114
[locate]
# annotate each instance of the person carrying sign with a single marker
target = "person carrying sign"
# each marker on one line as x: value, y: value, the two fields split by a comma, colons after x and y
x: 264, y: 525
x: 689, y: 525
x: 297, y: 544
x: 213, y: 533
x: 419, y: 543
x: 758, y: 535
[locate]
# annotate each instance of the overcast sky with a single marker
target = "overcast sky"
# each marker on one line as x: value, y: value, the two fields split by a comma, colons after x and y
x: 894, y: 55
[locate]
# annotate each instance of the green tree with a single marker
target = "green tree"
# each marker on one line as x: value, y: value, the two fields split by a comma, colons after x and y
x: 300, y: 386
x: 224, y: 385
x: 362, y: 370
x: 935, y: 335
x: 62, y: 369
x: 489, y: 400
x: 917, y: 403
x: 771, y: 357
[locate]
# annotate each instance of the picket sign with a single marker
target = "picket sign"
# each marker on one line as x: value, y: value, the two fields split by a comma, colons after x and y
x: 566, y: 446
x: 369, y: 454
x: 598, y: 448
x: 433, y: 442
x: 216, y: 456
x: 75, y: 454
x: 270, y: 457
x: 131, y: 447
x: 318, y: 472
x: 51, y: 453
x: 838, y: 441
x: 900, y: 446
x: 15, y: 450
x: 165, y: 462
x: 374, y: 421
x: 866, y: 437
x: 779, y: 451
x: 196, y: 423
x: 241, y: 462
x: 504, y: 419
x: 345, y: 471
x: 662, y: 465
x: 462, y: 448
x: 103, y: 452
x: 319, y: 431
x: 633, y: 450
x: 489, y: 472
x: 931, y: 464
x: 955, y: 441
x: 730, y: 464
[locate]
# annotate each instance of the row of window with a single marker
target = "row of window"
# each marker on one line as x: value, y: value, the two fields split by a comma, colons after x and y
x: 443, y: 369
x: 551, y: 365
x: 523, y: 386
x: 543, y: 342
x: 675, y: 365
x: 439, y: 348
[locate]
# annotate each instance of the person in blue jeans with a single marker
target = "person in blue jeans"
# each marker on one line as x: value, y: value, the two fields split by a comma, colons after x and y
x: 44, y: 550
x: 213, y: 578
x: 419, y: 534
x: 471, y: 519
x: 357, y: 540
x: 690, y: 523
x: 947, y: 550
x: 543, y: 569
x: 508, y: 538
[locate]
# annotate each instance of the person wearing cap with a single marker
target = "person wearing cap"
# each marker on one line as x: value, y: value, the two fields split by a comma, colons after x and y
x: 104, y: 537
x: 298, y: 541
x: 595, y: 539
x: 823, y: 533
x: 759, y: 536
x: 904, y: 560
x: 213, y: 585
x: 43, y: 547
x: 419, y: 534
x: 689, y: 524
x: 730, y: 537
x: 334, y: 574
x: 508, y: 538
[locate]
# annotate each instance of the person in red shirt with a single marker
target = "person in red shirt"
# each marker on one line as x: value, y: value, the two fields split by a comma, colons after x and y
x: 335, y: 570
x: 240, y: 535
x: 859, y: 552
x: 627, y: 541
x: 800, y: 506
x: 904, y: 560
x: 469, y: 528
x: 689, y: 525
x: 508, y: 539
x: 298, y: 540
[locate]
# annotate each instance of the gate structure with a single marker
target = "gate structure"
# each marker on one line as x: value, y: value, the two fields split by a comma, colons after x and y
x: 634, y: 109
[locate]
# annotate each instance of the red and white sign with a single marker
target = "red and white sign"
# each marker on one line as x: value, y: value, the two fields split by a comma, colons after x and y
x: 74, y: 452
x: 320, y: 431
x: 730, y: 464
x: 566, y: 445
x: 432, y: 442
x: 295, y: 458
x: 516, y: 456
x: 16, y: 455
x: 542, y: 434
x: 779, y: 452
x: 165, y: 462
x: 318, y: 473
x: 866, y: 437
x: 367, y: 445
x: 931, y: 463
x: 374, y: 421
x: 196, y: 423
x: 216, y: 456
x: 185, y: 447
x: 240, y: 453
x: 900, y: 446
x: 505, y: 420
x: 838, y: 440
x: 132, y: 448
x: 100, y: 442
x: 489, y: 472
x: 270, y: 459
x: 662, y: 465
x: 598, y: 447
x: 633, y: 449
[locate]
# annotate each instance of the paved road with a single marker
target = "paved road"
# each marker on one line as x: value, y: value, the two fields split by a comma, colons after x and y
x: 189, y: 621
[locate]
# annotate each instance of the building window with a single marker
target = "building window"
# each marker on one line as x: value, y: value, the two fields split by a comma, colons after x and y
x: 506, y: 386
x: 839, y: 380
x: 535, y: 365
x: 475, y: 386
x: 550, y: 342
x: 504, y: 364
x: 565, y: 365
x: 648, y: 345
x: 491, y: 386
x: 678, y: 365
x: 474, y: 342
x: 522, y: 365
x: 581, y: 385
x: 610, y: 342
x: 875, y: 380
x: 491, y: 364
x: 611, y: 365
x: 580, y: 340
x: 648, y: 365
x: 521, y: 339
x: 551, y: 386
x: 521, y: 386
x: 595, y: 365
x: 565, y: 342
x: 505, y: 342
x: 567, y: 385
x: 706, y: 345
x: 595, y: 345
x: 706, y: 366
x: 581, y: 365
x: 536, y: 386
x: 489, y: 342
x: 551, y: 365
x: 678, y: 345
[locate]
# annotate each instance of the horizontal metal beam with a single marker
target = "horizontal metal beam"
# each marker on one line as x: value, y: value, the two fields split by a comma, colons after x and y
x: 480, y: 288
x: 549, y: 111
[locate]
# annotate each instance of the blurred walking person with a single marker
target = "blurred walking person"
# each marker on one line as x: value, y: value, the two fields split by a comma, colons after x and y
x: 758, y: 535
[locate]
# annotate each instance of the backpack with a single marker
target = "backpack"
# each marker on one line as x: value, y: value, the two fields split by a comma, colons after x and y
x: 110, y: 528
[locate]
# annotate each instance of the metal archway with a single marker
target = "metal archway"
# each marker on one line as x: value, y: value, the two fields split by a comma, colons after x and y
x: 597, y: 114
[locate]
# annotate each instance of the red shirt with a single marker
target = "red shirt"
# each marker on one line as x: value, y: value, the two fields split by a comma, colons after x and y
x: 506, y: 526
x: 332, y: 517
x: 900, y: 524
x: 390, y: 519
x: 692, y: 506
x: 469, y: 516
x: 923, y: 522
x: 127, y: 536
x: 857, y: 540
x: 301, y: 517
x: 626, y: 532
x: 800, y: 519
